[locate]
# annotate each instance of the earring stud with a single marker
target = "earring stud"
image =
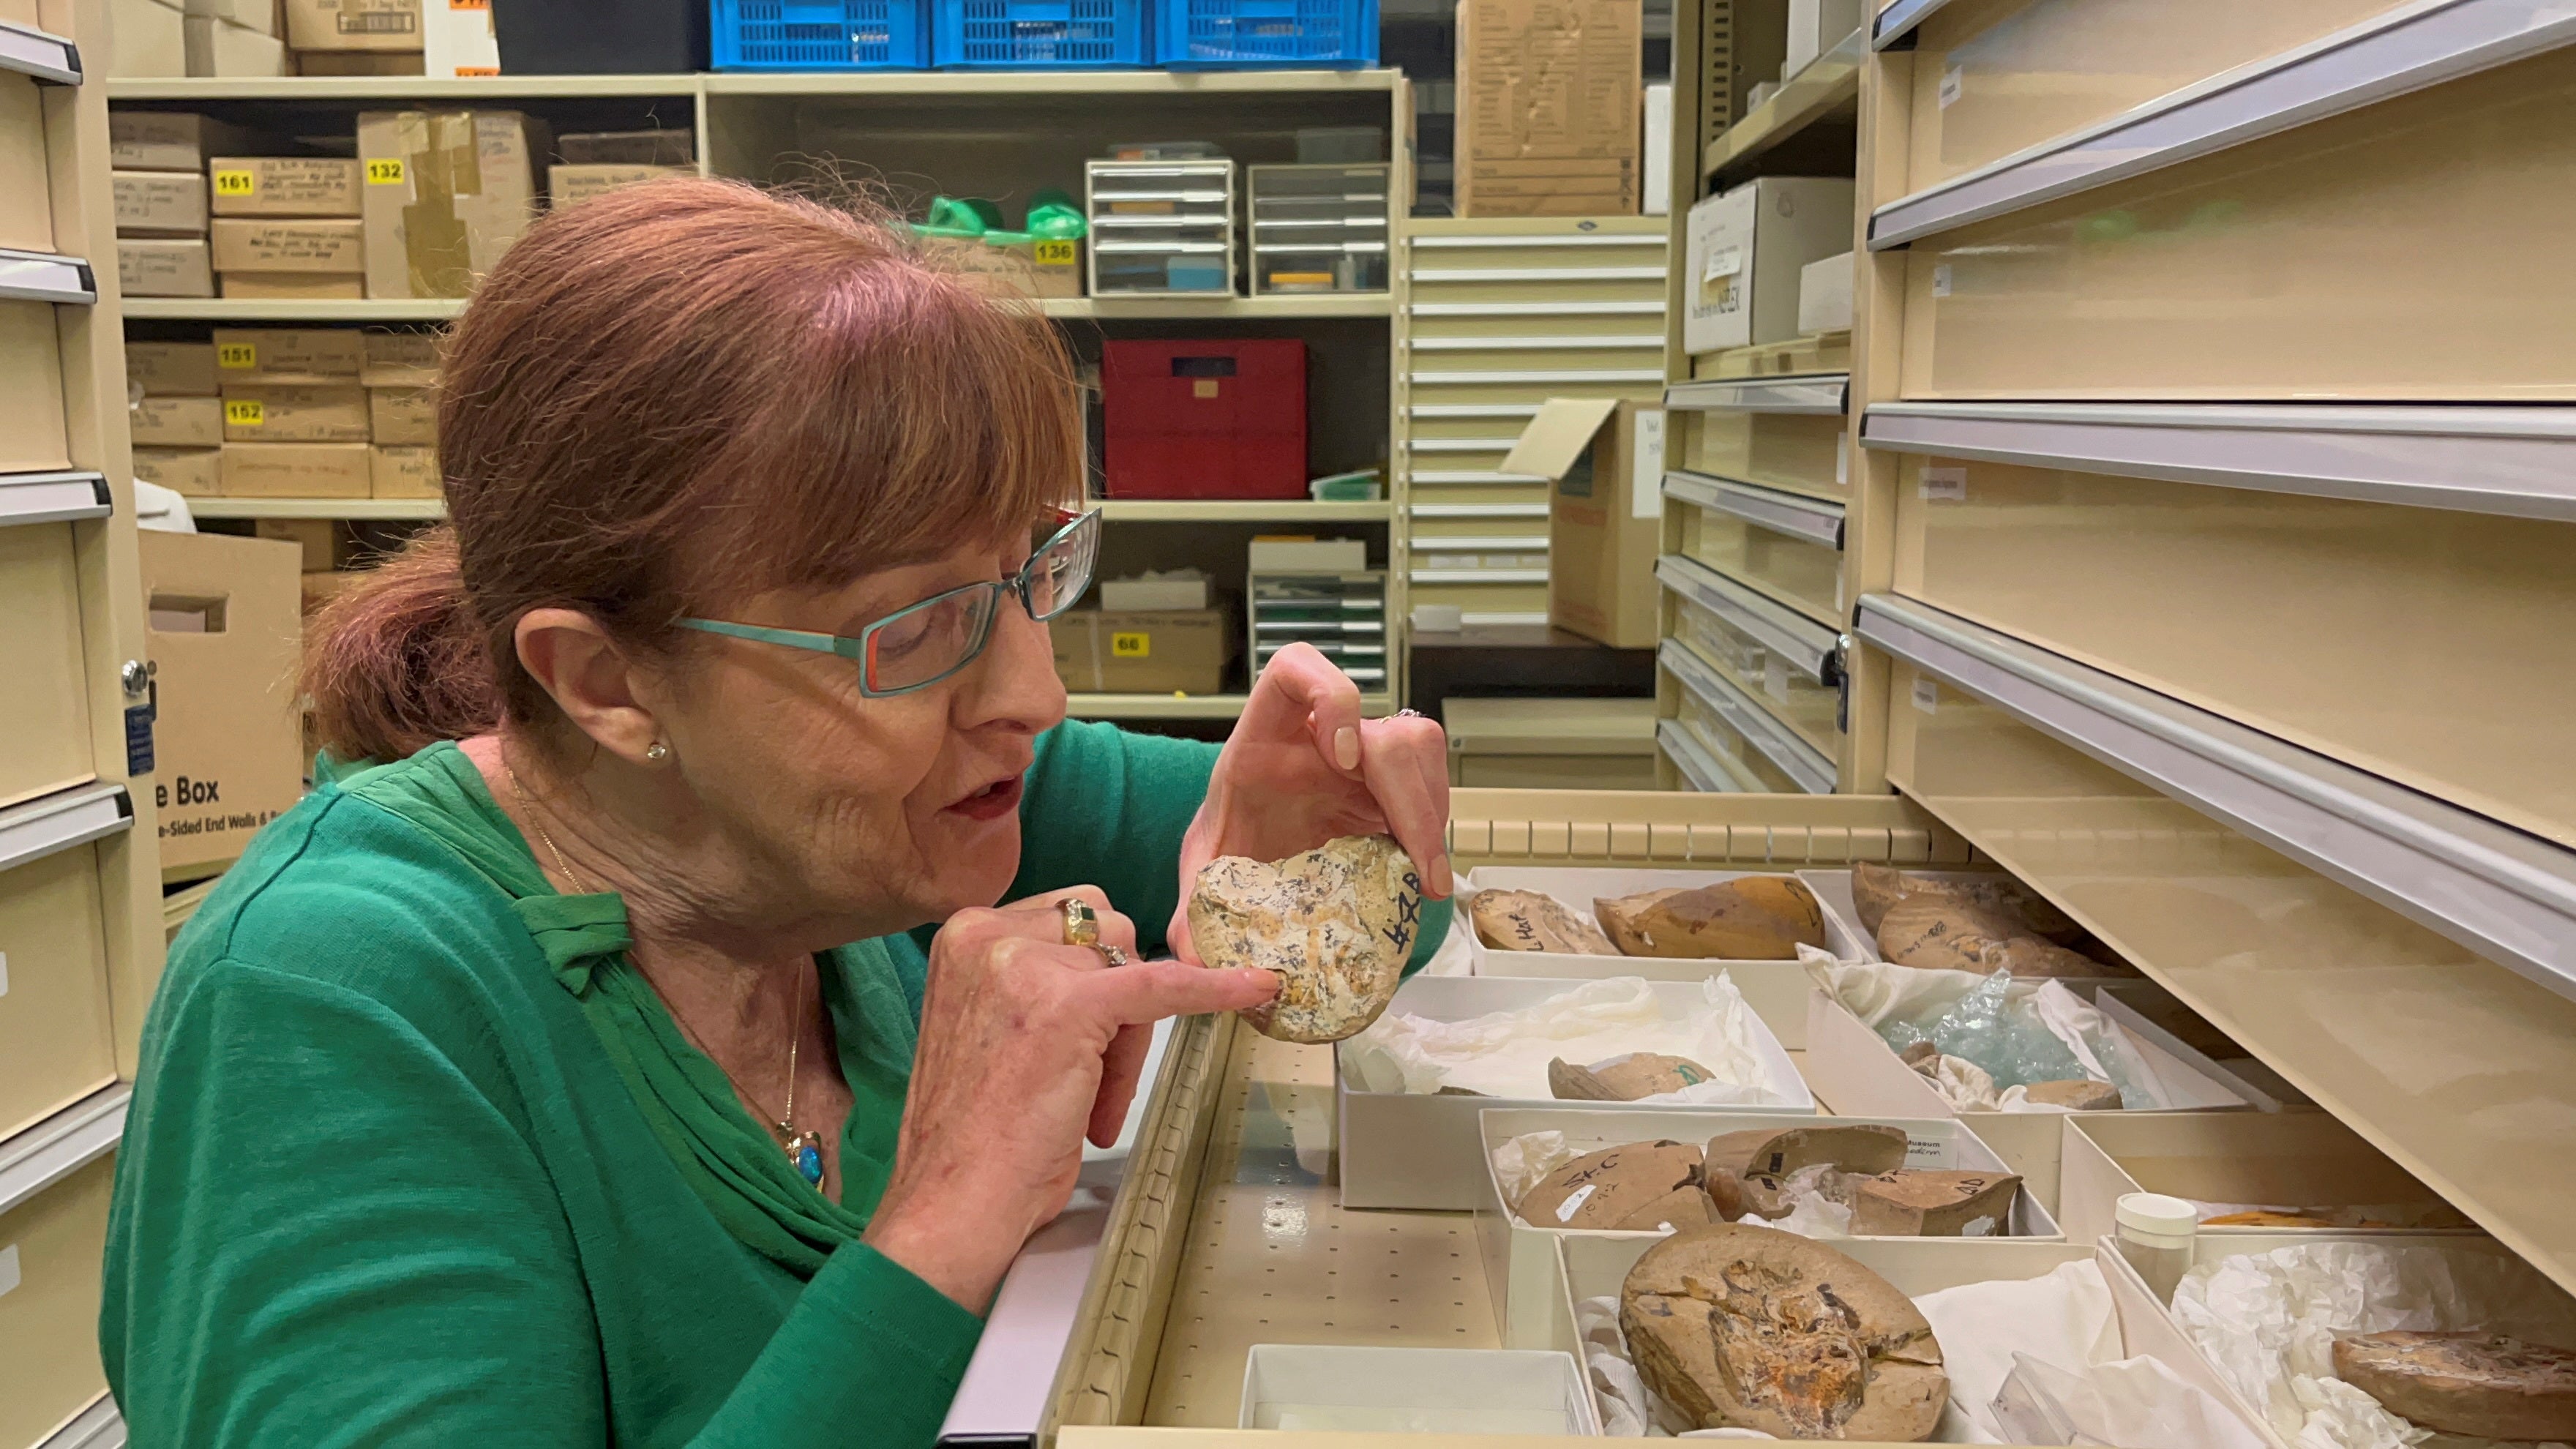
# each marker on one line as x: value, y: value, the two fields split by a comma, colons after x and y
x: 657, y: 752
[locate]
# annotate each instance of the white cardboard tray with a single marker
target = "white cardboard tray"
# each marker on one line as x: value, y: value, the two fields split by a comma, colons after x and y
x: 1419, y: 1390
x: 1857, y: 1075
x: 1778, y: 982
x: 1594, y: 1265
x: 1520, y: 1258
x: 2132, y: 1298
x: 2297, y: 1159
x: 1400, y: 1150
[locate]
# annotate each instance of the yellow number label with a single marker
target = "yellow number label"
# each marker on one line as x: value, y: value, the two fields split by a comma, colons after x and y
x: 1056, y: 253
x: 1131, y: 646
x: 245, y: 412
x: 239, y: 356
x: 236, y: 183
x: 385, y: 171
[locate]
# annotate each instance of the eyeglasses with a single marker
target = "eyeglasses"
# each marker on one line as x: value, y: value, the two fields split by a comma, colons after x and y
x: 916, y: 647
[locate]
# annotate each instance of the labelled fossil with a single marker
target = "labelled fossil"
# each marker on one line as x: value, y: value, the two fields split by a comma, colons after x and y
x: 1534, y: 921
x: 2076, y: 1094
x: 1750, y: 1327
x: 1641, y: 1185
x: 1751, y: 918
x: 1336, y: 923
x: 1877, y: 887
x: 1748, y: 1171
x: 1934, y: 934
x: 1918, y: 1203
x: 1623, y: 1078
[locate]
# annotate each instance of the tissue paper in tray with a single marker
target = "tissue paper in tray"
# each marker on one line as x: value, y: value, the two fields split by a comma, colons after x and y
x: 1767, y: 984
x: 1855, y: 1071
x: 1986, y: 1301
x: 1419, y: 1150
x: 2263, y: 1314
x: 1520, y: 1267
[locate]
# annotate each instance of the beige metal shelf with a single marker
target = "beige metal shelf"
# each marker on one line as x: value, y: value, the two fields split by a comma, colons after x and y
x: 371, y: 508
x: 1004, y: 86
x: 1241, y: 510
x: 1828, y: 87
x: 1187, y: 706
x: 241, y: 309
x: 245, y: 309
x: 395, y: 87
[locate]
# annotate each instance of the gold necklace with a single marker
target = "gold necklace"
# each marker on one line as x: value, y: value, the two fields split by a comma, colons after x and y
x: 804, y: 1149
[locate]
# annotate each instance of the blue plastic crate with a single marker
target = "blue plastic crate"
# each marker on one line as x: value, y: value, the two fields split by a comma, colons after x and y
x: 1243, y: 34
x: 821, y: 34
x: 1040, y: 34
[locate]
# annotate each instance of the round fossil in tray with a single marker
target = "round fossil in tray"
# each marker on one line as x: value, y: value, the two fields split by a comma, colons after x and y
x: 1746, y: 1327
x: 1336, y: 923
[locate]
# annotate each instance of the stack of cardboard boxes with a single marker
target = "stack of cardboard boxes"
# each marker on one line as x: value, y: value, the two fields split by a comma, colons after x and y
x: 428, y: 203
x: 286, y: 227
x: 1551, y: 108
x: 288, y: 413
x: 597, y: 161
x: 160, y: 185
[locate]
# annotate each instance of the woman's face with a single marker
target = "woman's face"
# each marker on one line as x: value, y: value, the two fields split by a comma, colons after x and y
x: 871, y: 815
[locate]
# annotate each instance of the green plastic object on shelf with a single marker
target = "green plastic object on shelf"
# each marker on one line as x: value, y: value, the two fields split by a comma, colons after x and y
x: 1052, y: 217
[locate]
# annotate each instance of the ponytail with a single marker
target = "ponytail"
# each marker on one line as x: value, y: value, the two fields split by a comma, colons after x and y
x: 398, y: 662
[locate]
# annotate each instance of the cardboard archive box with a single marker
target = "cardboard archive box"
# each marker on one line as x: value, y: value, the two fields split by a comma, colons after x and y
x: 398, y: 359
x: 353, y: 24
x: 164, y: 267
x: 288, y: 354
x: 284, y: 186
x: 406, y: 416
x: 295, y: 413
x: 1551, y: 100
x: 1177, y: 651
x: 1746, y: 251
x: 296, y: 470
x: 178, y: 422
x: 569, y: 184
x: 167, y: 140
x: 160, y: 203
x: 1604, y: 462
x: 171, y: 369
x: 446, y: 193
x: 403, y: 471
x: 225, y: 628
x: 191, y: 472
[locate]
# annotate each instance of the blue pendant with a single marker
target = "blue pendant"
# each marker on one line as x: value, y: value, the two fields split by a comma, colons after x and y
x: 806, y: 1153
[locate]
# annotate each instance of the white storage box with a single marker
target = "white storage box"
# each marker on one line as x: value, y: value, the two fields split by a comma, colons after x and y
x: 1595, y: 1265
x: 1853, y: 1068
x: 1825, y: 296
x: 1421, y: 1151
x: 2548, y: 1314
x: 1312, y: 1387
x: 2235, y: 1159
x: 1520, y: 1258
x: 2148, y: 1011
x: 1777, y: 990
x: 1745, y: 251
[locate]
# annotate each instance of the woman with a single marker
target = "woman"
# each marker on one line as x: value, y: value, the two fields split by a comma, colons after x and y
x: 526, y: 1086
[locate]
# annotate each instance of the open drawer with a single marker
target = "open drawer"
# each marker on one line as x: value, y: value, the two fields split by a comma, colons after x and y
x: 2458, y: 1069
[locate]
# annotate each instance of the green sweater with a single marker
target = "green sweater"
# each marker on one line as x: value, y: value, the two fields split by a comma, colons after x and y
x: 416, y: 1156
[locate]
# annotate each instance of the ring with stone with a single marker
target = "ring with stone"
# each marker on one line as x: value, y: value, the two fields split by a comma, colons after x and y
x: 1110, y: 955
x: 1081, y: 924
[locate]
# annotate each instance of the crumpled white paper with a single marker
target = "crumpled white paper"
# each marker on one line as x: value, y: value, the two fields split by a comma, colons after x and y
x: 2268, y: 1322
x: 1505, y: 1053
x: 1811, y: 1213
x: 1522, y: 1162
x: 2062, y: 1318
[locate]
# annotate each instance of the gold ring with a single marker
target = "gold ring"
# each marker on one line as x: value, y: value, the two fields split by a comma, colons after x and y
x: 1081, y: 925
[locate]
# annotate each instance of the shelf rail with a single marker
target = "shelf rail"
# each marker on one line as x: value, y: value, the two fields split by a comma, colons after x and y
x: 2415, y: 46
x: 2515, y: 461
x: 1812, y: 520
x: 2506, y: 895
x: 1761, y: 728
x: 60, y: 497
x: 1810, y: 394
x: 1805, y: 645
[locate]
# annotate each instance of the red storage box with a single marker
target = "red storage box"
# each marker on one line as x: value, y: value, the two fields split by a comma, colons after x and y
x: 1204, y: 419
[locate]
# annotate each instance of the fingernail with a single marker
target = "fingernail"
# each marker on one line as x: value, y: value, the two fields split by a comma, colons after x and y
x: 1441, y: 883
x: 1346, y: 747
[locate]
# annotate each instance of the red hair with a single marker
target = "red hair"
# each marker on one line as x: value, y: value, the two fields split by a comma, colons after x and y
x: 673, y: 396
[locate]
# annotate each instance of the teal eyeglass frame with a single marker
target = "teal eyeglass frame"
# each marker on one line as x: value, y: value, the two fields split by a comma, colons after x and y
x: 1082, y: 528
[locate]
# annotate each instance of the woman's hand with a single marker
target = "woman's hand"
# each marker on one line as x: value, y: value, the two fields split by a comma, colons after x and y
x: 1302, y: 767
x: 1026, y: 1043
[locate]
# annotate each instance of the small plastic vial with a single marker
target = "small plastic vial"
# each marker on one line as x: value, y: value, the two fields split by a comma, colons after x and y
x: 2155, y: 1233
